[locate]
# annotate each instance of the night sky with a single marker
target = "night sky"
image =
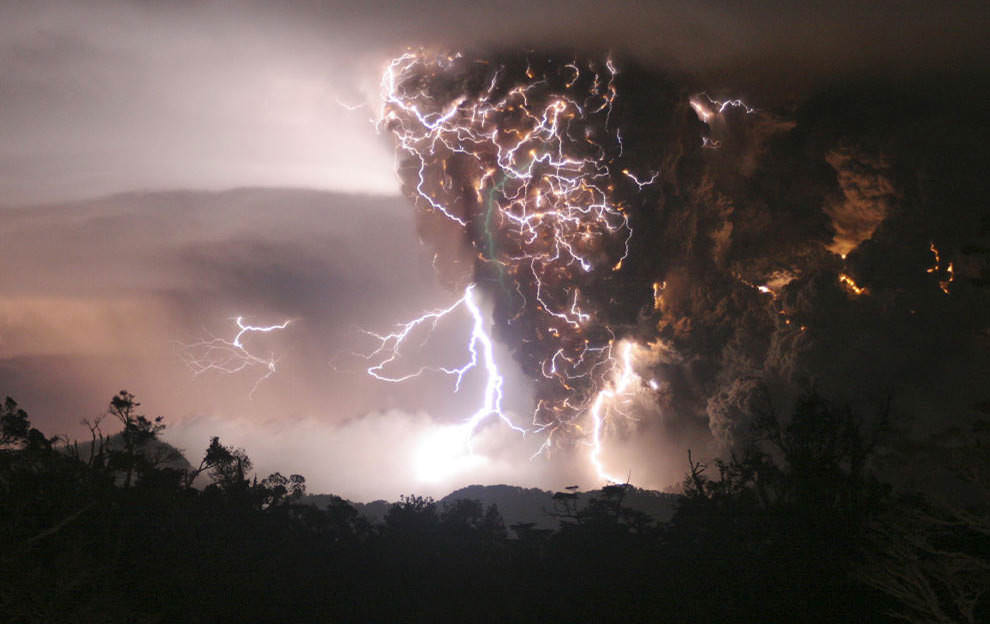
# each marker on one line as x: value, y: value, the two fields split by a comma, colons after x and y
x: 167, y: 167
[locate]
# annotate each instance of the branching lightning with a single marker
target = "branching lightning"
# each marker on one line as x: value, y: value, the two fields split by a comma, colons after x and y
x: 708, y: 108
x: 538, y: 152
x: 641, y: 183
x: 231, y: 356
x: 608, y: 399
x: 389, y: 351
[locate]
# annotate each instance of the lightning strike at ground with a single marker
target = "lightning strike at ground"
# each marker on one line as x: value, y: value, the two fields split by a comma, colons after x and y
x: 609, y: 402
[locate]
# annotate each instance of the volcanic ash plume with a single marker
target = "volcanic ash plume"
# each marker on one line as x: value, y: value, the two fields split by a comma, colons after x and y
x: 637, y: 236
x: 519, y: 163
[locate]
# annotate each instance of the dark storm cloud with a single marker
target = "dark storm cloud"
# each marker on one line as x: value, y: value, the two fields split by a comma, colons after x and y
x: 896, y: 160
x: 99, y: 96
x: 742, y: 233
x: 822, y: 36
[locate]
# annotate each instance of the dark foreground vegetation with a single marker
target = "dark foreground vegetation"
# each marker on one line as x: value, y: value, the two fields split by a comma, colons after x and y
x: 794, y: 529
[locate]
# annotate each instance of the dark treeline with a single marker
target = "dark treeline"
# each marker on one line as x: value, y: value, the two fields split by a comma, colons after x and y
x: 795, y: 528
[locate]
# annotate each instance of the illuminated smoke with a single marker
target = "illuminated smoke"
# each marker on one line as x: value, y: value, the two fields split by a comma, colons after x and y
x: 936, y: 269
x: 598, y: 219
x: 867, y: 198
x: 851, y: 284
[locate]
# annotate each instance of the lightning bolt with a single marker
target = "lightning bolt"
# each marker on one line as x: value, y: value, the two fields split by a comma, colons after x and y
x: 537, y: 147
x: 707, y: 108
x: 481, y: 355
x: 231, y: 356
x: 641, y: 183
x: 608, y: 400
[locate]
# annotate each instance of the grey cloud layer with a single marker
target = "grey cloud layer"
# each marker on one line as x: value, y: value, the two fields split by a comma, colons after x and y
x: 124, y: 277
x: 100, y: 96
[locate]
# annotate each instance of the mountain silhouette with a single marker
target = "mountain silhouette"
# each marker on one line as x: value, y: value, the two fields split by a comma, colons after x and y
x: 520, y: 505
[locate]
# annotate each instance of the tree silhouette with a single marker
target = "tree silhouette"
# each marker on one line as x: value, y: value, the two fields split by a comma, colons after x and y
x: 228, y: 466
x: 276, y: 489
x: 790, y: 510
x: 137, y: 432
x: 932, y: 554
x: 789, y: 527
x: 14, y: 424
x: 412, y: 514
x: 16, y: 430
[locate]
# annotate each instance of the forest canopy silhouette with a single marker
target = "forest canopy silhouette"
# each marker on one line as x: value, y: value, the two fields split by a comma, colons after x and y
x: 121, y: 528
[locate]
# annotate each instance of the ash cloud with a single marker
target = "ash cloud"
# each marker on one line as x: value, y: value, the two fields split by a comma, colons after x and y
x: 793, y: 244
x: 873, y: 171
x: 103, y: 96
